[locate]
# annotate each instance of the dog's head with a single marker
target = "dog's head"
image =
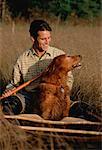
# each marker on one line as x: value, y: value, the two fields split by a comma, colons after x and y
x: 65, y: 62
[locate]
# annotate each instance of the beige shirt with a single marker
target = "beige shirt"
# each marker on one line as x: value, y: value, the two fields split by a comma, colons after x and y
x: 29, y: 65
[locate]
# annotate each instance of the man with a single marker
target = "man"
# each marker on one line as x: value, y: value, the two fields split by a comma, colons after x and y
x: 34, y: 61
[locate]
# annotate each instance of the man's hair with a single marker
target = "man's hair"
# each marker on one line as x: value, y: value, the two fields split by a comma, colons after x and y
x: 38, y: 25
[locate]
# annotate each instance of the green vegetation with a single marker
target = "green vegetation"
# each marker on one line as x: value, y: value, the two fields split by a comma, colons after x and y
x: 60, y: 8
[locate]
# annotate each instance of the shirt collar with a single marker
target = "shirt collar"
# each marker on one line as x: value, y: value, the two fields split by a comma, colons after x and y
x: 31, y: 50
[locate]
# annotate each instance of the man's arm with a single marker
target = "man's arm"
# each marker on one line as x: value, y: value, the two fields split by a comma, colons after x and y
x: 14, y: 82
x: 16, y: 77
x: 70, y: 80
x: 16, y: 74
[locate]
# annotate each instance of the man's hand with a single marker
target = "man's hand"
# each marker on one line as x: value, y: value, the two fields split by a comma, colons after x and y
x: 8, y: 92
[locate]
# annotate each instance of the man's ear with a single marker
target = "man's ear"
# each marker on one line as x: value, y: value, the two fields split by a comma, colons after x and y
x: 32, y: 39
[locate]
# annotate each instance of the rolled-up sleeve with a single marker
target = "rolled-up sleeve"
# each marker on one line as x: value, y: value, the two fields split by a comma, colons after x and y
x: 16, y: 74
x: 16, y: 77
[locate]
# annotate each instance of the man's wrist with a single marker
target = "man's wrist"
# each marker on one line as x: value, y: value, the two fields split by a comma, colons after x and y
x: 10, y: 86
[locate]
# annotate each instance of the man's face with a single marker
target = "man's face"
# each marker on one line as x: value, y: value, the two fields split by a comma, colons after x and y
x: 43, y: 40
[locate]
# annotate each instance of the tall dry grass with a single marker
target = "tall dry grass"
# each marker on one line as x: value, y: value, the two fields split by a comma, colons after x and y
x: 79, y: 39
x: 84, y: 39
x: 11, y: 137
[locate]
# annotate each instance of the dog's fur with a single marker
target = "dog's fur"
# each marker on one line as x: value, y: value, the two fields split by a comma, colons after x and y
x: 54, y: 93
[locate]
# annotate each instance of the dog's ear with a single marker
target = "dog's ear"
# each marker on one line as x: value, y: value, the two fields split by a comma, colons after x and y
x: 56, y: 63
x: 51, y: 67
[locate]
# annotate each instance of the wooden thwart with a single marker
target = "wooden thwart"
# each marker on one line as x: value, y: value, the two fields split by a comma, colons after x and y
x: 44, y: 129
x: 38, y: 119
x: 48, y: 126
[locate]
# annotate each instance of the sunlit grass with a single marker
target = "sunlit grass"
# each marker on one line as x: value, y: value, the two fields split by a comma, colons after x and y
x: 79, y: 39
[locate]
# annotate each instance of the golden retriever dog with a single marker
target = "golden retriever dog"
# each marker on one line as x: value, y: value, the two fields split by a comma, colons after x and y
x: 54, y: 93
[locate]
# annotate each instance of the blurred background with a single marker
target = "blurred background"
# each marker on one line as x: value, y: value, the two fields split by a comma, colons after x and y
x: 62, y: 9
